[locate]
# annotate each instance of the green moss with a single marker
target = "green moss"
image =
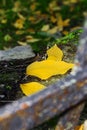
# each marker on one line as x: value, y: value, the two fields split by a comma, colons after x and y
x: 8, y: 87
x: 5, y: 77
x: 73, y: 36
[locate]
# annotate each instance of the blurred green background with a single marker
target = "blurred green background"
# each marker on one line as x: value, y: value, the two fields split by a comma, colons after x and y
x: 38, y: 22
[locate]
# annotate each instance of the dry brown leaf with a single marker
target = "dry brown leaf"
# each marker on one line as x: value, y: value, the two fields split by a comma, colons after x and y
x: 32, y: 19
x: 33, y: 6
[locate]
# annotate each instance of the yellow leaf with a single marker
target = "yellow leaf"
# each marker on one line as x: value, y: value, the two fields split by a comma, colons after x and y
x: 54, y: 53
x: 65, y: 32
x: 73, y: 1
x: 6, y: 48
x: 31, y: 39
x: 31, y: 88
x: 62, y: 23
x: 53, y: 6
x: 19, y: 23
x: 17, y: 6
x: 32, y: 19
x: 22, y: 43
x: 21, y: 16
x: 75, y: 28
x: 45, y: 27
x: 47, y: 68
x: 33, y: 6
x: 4, y: 21
x: 66, y: 22
x: 38, y: 12
x: 66, y: 2
x: 53, y: 30
x: 31, y: 30
x: 85, y: 13
x: 53, y: 19
x: 19, y: 32
x: 79, y: 127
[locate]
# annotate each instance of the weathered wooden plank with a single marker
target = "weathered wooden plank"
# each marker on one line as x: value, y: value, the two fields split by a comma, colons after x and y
x: 34, y: 110
x: 70, y: 118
